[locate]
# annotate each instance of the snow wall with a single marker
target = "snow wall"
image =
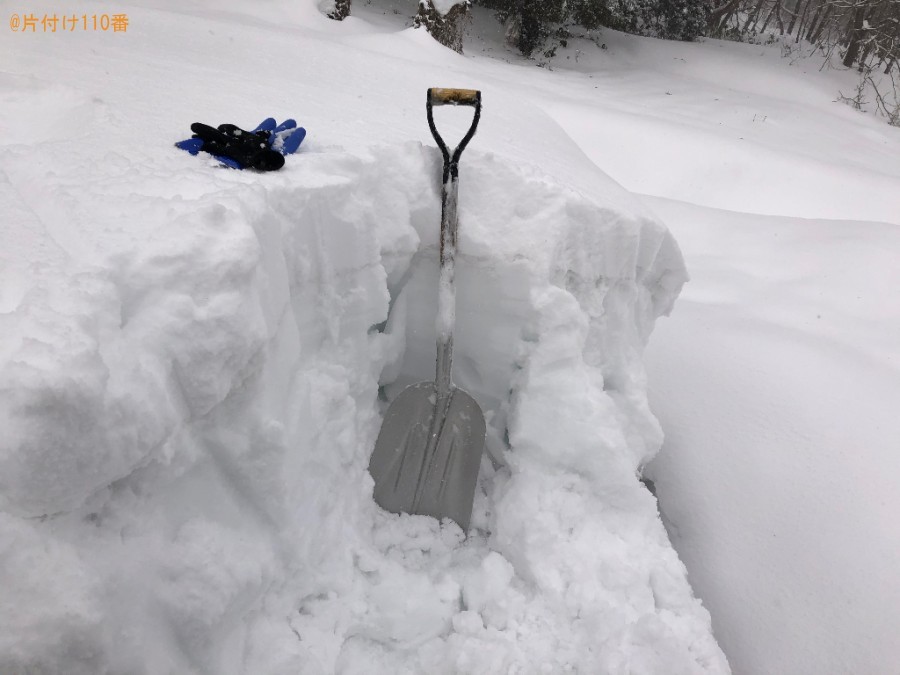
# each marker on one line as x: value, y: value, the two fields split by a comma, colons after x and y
x: 192, y: 376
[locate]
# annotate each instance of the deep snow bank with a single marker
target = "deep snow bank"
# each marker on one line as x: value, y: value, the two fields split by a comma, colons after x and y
x: 191, y: 381
x: 809, y: 471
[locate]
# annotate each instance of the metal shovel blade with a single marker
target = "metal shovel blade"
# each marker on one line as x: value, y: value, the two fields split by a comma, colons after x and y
x: 428, y: 453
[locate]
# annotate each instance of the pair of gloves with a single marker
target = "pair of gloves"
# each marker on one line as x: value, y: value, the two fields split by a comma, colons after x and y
x: 262, y: 149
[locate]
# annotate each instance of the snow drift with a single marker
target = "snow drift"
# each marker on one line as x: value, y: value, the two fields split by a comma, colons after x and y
x: 191, y: 382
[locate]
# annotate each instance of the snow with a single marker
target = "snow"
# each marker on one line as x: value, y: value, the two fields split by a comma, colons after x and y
x: 196, y: 360
x: 795, y: 431
x: 775, y: 379
x: 444, y: 6
x: 201, y: 428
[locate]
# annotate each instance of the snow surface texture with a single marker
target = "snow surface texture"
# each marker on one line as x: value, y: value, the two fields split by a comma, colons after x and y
x: 775, y: 378
x: 190, y: 426
x: 194, y: 365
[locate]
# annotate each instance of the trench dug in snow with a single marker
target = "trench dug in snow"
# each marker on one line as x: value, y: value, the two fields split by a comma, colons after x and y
x: 191, y: 397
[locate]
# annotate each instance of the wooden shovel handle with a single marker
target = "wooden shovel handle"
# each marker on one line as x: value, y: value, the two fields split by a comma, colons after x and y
x: 442, y: 96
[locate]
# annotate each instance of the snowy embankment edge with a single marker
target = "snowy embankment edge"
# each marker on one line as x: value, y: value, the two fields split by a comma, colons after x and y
x: 197, y: 409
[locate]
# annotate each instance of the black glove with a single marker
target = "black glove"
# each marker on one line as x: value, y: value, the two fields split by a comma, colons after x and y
x: 246, y: 149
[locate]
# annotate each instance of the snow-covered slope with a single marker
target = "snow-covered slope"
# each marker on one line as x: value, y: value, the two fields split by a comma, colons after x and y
x: 792, y: 429
x: 775, y: 379
x: 195, y: 361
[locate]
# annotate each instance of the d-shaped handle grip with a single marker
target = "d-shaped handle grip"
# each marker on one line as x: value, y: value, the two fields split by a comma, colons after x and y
x: 439, y: 96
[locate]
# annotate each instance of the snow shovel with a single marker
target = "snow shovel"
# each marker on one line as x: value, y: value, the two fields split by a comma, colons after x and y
x: 428, y: 452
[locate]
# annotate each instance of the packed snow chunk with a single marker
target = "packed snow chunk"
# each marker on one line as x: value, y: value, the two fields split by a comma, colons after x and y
x: 190, y: 398
x: 51, y: 617
x: 72, y: 423
x: 211, y: 580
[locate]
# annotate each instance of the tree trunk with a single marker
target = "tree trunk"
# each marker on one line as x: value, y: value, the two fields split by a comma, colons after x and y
x: 795, y: 14
x: 856, y: 30
x: 821, y: 27
x: 815, y: 20
x: 865, y: 55
x: 720, y: 15
x: 753, y: 17
x: 776, y: 8
x: 803, y: 20
x: 445, y: 28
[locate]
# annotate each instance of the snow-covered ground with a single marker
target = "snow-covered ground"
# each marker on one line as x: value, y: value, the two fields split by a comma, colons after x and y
x: 195, y: 360
x: 777, y: 378
x: 776, y: 382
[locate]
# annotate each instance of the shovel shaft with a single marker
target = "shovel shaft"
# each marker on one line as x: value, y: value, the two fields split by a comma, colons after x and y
x: 449, y: 227
x: 446, y: 317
